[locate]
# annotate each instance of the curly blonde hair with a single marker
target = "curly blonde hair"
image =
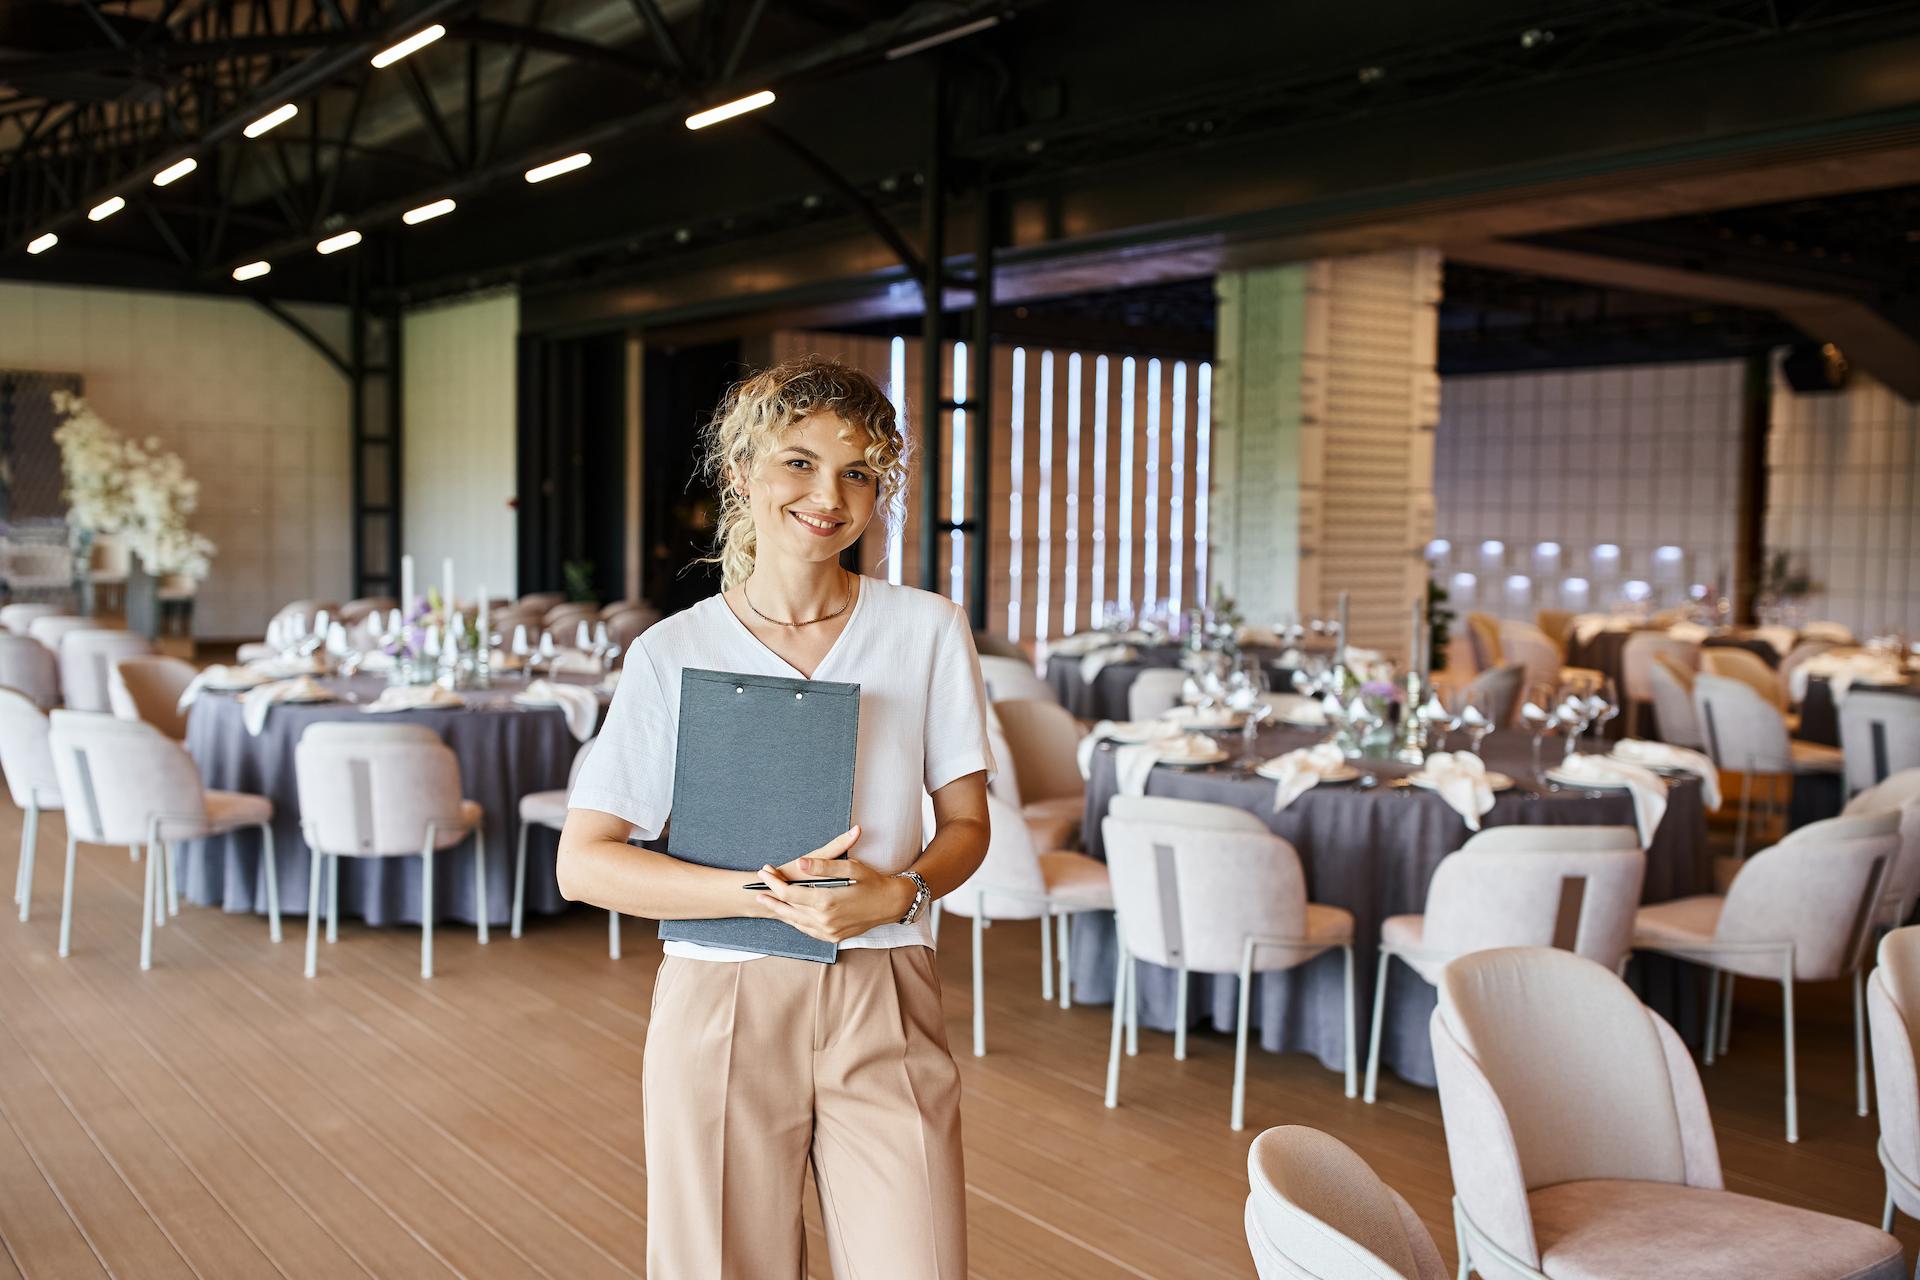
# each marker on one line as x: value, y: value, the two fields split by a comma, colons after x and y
x: 759, y: 411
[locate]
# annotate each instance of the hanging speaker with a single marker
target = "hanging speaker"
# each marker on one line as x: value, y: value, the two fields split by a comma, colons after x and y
x: 1812, y: 367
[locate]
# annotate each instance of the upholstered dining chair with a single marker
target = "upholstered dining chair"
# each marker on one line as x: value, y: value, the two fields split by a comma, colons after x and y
x: 359, y: 609
x: 1526, y: 644
x: 1898, y: 794
x: 1019, y: 881
x: 1154, y: 692
x: 128, y: 784
x: 1317, y: 1211
x: 1581, y: 1145
x: 1801, y: 911
x: 26, y: 757
x: 1483, y: 640
x: 149, y: 688
x: 1041, y: 741
x: 1556, y: 625
x: 1879, y: 735
x: 1750, y: 669
x: 625, y: 625
x: 549, y: 809
x: 1517, y: 886
x: 992, y: 642
x: 1799, y: 653
x: 563, y: 621
x: 1746, y: 735
x: 1008, y: 679
x: 1672, y: 694
x: 86, y: 664
x: 1638, y: 660
x: 1501, y: 686
x: 382, y: 791
x: 30, y: 669
x: 16, y: 618
x: 49, y: 628
x: 540, y: 601
x: 1893, y: 1013
x: 1196, y: 891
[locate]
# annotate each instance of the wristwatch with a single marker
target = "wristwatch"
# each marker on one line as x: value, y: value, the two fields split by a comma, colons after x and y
x: 920, y: 896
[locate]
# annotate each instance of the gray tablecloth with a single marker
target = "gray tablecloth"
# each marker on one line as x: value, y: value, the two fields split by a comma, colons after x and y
x: 505, y: 751
x: 1373, y: 852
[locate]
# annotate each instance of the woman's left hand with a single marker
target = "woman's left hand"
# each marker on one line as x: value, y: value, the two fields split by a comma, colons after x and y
x: 834, y: 915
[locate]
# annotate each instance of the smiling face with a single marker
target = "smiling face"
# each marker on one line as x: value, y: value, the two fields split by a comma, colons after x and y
x: 814, y: 492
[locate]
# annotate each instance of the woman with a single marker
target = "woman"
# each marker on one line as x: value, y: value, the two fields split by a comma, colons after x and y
x: 757, y: 1064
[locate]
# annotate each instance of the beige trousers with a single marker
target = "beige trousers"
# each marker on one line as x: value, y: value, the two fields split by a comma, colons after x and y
x: 753, y: 1068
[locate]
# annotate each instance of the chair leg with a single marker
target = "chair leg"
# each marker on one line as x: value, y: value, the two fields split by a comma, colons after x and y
x: 1726, y: 1015
x: 1786, y: 1014
x: 133, y: 853
x: 1373, y: 1038
x: 1133, y: 1007
x: 426, y: 907
x: 1046, y: 957
x: 1352, y: 1062
x: 613, y: 935
x: 1239, y: 1121
x: 480, y: 880
x: 270, y: 867
x: 1180, y: 1015
x: 519, y: 881
x: 1746, y: 807
x: 1066, y: 961
x: 149, y: 906
x: 66, y: 902
x: 29, y: 842
x: 1713, y: 1014
x: 979, y: 985
x: 1460, y: 1242
x: 333, y: 897
x: 314, y: 861
x: 1859, y: 1043
x: 1886, y: 1210
x: 171, y: 852
x: 1119, y: 1023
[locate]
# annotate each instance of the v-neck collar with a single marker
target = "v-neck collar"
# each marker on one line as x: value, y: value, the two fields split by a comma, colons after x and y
x: 839, y: 641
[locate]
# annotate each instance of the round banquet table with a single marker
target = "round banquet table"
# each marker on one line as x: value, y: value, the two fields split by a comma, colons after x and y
x: 505, y: 751
x: 1373, y: 851
x: 1105, y: 696
x: 1820, y: 713
x: 1605, y: 652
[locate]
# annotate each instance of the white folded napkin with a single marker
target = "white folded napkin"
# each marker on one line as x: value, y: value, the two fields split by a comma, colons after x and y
x: 1182, y: 718
x: 283, y: 668
x: 1589, y: 625
x: 1084, y: 752
x: 1296, y: 708
x: 576, y: 701
x: 1841, y: 670
x: 1648, y: 790
x: 1833, y: 631
x: 1460, y: 778
x: 375, y: 660
x: 1097, y: 661
x: 1692, y: 632
x: 219, y: 676
x: 576, y: 663
x: 1666, y: 755
x: 1780, y: 639
x: 1132, y: 764
x: 255, y: 651
x: 256, y: 702
x: 1301, y: 771
x: 413, y: 697
x: 1081, y: 642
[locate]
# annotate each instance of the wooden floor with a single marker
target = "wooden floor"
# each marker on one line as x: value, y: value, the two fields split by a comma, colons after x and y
x: 222, y: 1116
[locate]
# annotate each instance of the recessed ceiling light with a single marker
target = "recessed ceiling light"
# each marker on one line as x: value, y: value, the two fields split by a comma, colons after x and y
x: 251, y: 270
x: 106, y: 208
x: 728, y: 110
x: 425, y: 211
x: 334, y: 244
x: 554, y: 168
x: 43, y: 243
x: 175, y: 171
x: 278, y: 116
x: 418, y: 40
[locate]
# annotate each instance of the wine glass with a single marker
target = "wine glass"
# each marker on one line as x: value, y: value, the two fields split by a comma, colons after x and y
x: 1603, y: 703
x: 1472, y: 711
x: 1437, y: 718
x: 1537, y: 711
x: 1364, y: 720
x: 1571, y: 713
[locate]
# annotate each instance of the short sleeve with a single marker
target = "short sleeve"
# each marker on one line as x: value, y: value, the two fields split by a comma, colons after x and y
x: 630, y: 771
x: 956, y: 708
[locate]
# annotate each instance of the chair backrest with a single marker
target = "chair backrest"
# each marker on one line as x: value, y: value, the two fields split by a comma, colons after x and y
x: 992, y: 642
x: 1041, y: 737
x: 1637, y: 661
x: 372, y: 790
x: 1189, y: 896
x: 1551, y: 1071
x: 1879, y: 734
x: 564, y: 620
x: 1546, y: 895
x: 117, y: 776
x: 1817, y: 889
x: 1748, y: 668
x: 1198, y: 814
x: 86, y: 662
x: 1008, y: 679
x: 148, y: 688
x: 1672, y: 691
x: 1012, y: 866
x: 1893, y: 1014
x: 1483, y: 638
x: 1743, y: 731
x: 16, y: 618
x: 28, y: 667
x: 49, y: 628
x: 1526, y: 837
x: 1837, y: 632
x: 625, y: 625
x: 540, y: 601
x: 1556, y: 625
x: 1154, y: 692
x: 1898, y: 794
x: 363, y: 607
x: 1315, y: 1208
x: 1502, y: 686
x: 1522, y: 642
x: 26, y: 755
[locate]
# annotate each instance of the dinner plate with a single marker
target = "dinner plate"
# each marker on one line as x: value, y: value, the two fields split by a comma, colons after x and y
x: 1588, y: 784
x: 1495, y: 781
x: 1271, y: 769
x: 1302, y: 722
x: 1131, y: 731
x: 1203, y: 720
x: 1191, y: 762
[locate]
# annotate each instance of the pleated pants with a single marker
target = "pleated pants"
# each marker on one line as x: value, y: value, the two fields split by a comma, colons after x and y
x: 753, y: 1070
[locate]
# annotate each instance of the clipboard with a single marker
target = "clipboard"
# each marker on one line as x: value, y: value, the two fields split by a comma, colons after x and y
x: 763, y: 772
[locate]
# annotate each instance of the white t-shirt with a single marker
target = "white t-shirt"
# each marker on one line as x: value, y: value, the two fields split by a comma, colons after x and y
x: 922, y: 724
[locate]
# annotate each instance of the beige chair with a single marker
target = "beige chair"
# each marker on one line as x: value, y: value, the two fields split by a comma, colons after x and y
x: 1316, y: 1211
x: 564, y: 620
x: 86, y: 665
x: 1893, y: 1011
x: 110, y: 563
x: 382, y: 791
x: 30, y: 669
x: 1526, y: 644
x: 1800, y: 653
x: 1501, y: 686
x: 1517, y: 886
x: 49, y: 629
x: 1042, y: 739
x: 1202, y: 888
x: 1747, y: 736
x: 1154, y: 692
x: 26, y: 757
x: 16, y: 618
x: 1483, y: 637
x: 358, y: 610
x: 1879, y: 735
x: 540, y: 601
x: 1557, y: 626
x: 1801, y: 911
x: 1018, y: 881
x: 1672, y: 686
x: 1898, y: 794
x: 549, y: 809
x: 1010, y: 679
x: 1581, y: 1145
x: 1750, y: 669
x: 625, y: 625
x: 131, y: 786
x: 149, y: 688
x: 1639, y: 657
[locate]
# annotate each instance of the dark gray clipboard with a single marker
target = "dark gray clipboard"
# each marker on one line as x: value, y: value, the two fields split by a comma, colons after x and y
x: 763, y: 772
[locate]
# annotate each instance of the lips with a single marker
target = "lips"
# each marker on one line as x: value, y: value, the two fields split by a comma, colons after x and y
x: 818, y: 525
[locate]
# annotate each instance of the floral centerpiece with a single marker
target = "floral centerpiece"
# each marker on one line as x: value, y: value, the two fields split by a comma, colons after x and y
x: 129, y: 487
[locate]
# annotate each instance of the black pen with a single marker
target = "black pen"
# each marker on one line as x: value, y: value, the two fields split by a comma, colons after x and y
x: 761, y: 885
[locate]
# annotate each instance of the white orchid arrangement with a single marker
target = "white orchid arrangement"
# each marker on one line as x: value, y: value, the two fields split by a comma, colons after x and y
x: 129, y: 487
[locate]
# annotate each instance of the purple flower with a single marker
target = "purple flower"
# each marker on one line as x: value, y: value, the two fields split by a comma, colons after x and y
x: 1381, y: 689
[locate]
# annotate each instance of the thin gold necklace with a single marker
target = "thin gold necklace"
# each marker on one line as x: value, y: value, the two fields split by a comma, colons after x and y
x: 845, y: 585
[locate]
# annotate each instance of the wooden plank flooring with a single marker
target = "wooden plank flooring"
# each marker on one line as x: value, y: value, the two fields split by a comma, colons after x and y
x: 223, y: 1116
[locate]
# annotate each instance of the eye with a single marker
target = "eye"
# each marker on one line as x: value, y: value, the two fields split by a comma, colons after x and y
x: 860, y: 477
x: 799, y: 464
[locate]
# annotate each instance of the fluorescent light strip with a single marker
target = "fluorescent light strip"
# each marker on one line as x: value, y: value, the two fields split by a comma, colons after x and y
x: 251, y: 270
x: 1176, y: 476
x: 418, y: 40
x: 426, y: 211
x: 1017, y: 479
x: 554, y: 168
x: 1150, y: 552
x: 175, y: 171
x: 1099, y: 577
x: 43, y: 242
x: 728, y: 110
x: 960, y: 32
x: 1202, y: 477
x: 957, y: 482
x: 1125, y: 596
x: 106, y: 208
x: 274, y: 118
x: 896, y: 392
x: 334, y: 244
x: 1043, y: 526
x: 1070, y: 592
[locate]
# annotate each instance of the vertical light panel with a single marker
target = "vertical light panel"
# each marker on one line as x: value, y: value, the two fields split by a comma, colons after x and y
x: 957, y: 482
x: 1100, y: 596
x: 1126, y: 485
x: 1017, y: 460
x: 1202, y: 447
x: 896, y: 392
x: 1177, y: 488
x: 1150, y: 551
x: 1043, y: 526
x: 1070, y: 597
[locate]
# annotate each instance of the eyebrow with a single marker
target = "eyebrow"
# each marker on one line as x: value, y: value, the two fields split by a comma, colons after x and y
x: 805, y: 452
